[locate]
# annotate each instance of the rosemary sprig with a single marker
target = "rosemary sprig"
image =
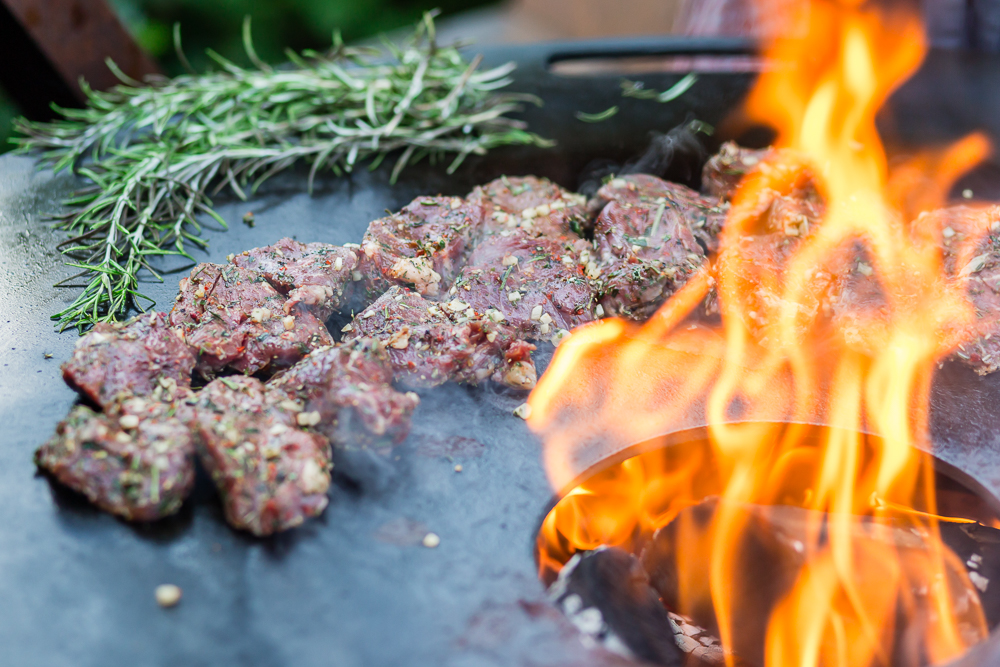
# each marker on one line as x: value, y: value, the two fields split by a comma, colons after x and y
x: 155, y: 153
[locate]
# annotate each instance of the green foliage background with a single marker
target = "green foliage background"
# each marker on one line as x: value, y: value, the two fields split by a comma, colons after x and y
x: 277, y: 24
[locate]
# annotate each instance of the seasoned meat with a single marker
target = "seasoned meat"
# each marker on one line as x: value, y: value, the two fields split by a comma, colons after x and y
x: 423, y: 246
x: 703, y: 216
x: 536, y: 285
x: 536, y: 205
x: 320, y: 276
x: 134, y: 460
x: 271, y: 468
x: 346, y: 392
x: 233, y: 318
x: 430, y: 343
x: 141, y: 357
x: 723, y: 171
x: 645, y: 253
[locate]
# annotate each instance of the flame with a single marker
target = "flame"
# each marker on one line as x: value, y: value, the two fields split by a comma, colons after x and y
x: 780, y: 363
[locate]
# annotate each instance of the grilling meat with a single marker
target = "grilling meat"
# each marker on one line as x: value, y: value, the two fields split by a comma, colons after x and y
x: 140, y: 357
x: 135, y: 460
x: 724, y: 170
x: 319, y: 276
x: 536, y: 205
x: 423, y: 246
x: 536, y: 285
x: 646, y: 252
x: 429, y: 343
x: 703, y: 216
x: 346, y: 393
x: 271, y: 469
x: 233, y: 318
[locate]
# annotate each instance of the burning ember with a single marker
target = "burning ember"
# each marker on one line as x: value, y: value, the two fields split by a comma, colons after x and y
x: 836, y: 306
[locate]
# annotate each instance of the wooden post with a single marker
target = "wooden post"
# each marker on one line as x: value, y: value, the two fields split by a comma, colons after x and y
x: 47, y: 46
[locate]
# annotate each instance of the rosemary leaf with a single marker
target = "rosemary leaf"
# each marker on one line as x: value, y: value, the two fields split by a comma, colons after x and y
x: 155, y: 152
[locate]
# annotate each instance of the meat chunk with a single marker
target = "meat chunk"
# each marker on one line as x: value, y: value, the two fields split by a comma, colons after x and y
x: 423, y: 246
x: 140, y: 357
x: 346, y: 392
x: 536, y: 285
x: 319, y: 276
x: 536, y: 205
x: 430, y: 343
x: 272, y: 470
x: 134, y: 460
x: 646, y: 252
x: 703, y: 216
x: 233, y: 318
x: 724, y: 170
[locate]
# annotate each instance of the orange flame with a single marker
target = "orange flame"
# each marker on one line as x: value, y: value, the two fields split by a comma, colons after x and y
x: 780, y: 362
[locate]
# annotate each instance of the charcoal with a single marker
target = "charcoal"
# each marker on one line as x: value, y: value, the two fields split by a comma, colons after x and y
x: 607, y: 595
x: 767, y: 561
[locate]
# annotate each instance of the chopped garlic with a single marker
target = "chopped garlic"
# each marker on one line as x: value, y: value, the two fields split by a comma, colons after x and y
x: 528, y: 213
x: 491, y: 336
x: 128, y: 421
x: 307, y: 418
x: 457, y: 305
x: 494, y: 315
x: 338, y: 264
x: 514, y: 297
x: 545, y: 318
x: 523, y: 411
x: 289, y: 322
x: 559, y: 337
x: 975, y: 265
x: 599, y: 311
x: 864, y: 269
x: 356, y: 276
x: 947, y: 232
x: 290, y: 405
x: 260, y: 314
x: 510, y: 260
x: 542, y: 210
x: 544, y: 328
x: 347, y: 327
x: 536, y: 313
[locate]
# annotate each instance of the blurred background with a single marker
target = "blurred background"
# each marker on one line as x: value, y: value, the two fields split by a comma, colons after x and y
x: 63, y: 28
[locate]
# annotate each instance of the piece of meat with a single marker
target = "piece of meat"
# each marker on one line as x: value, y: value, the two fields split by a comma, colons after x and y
x: 320, y: 276
x: 430, y: 343
x: 423, y: 246
x: 724, y: 170
x: 970, y: 241
x: 140, y: 357
x: 703, y: 216
x: 271, y: 467
x: 134, y: 460
x: 536, y: 285
x: 536, y: 205
x: 346, y: 392
x: 233, y: 318
x: 645, y: 253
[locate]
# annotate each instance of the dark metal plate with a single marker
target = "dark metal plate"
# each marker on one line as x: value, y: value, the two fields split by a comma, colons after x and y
x: 353, y: 587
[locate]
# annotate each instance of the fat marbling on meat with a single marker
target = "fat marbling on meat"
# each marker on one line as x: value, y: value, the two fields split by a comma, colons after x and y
x: 429, y: 343
x: 134, y: 460
x: 141, y: 357
x: 319, y: 276
x: 233, y: 318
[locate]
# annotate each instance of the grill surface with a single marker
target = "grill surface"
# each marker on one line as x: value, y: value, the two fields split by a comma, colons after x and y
x: 355, y: 587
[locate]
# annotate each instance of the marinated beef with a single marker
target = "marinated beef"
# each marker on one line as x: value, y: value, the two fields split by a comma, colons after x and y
x: 140, y: 357
x: 536, y: 285
x: 429, y: 343
x: 423, y: 246
x: 271, y: 467
x: 536, y: 205
x: 645, y: 252
x: 346, y: 393
x: 233, y: 318
x: 724, y: 170
x: 703, y: 216
x: 134, y: 460
x: 319, y: 276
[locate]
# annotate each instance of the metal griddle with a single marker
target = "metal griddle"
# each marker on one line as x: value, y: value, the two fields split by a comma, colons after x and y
x: 355, y: 587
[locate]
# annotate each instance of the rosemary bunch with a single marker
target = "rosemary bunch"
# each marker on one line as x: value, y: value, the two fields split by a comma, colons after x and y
x: 155, y: 152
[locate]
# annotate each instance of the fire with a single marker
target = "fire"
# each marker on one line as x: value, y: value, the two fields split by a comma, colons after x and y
x: 780, y: 363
